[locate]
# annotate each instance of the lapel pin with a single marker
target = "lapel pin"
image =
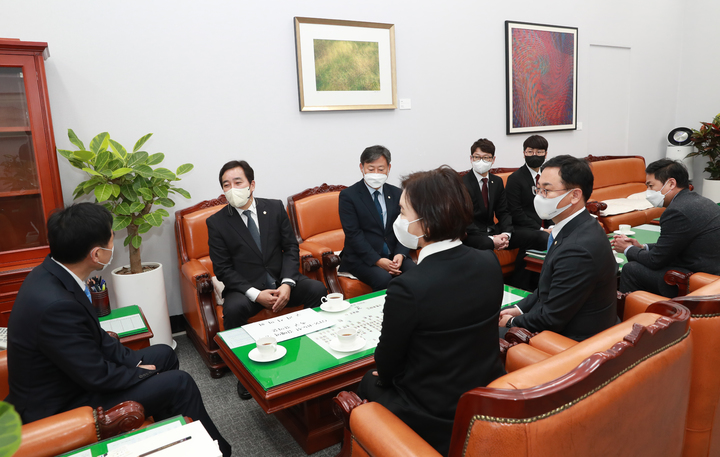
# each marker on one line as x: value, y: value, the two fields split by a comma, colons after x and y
x: 264, y: 212
x: 555, y: 242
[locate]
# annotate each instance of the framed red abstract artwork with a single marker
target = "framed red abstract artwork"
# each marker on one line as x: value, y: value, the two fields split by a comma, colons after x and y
x: 541, y: 66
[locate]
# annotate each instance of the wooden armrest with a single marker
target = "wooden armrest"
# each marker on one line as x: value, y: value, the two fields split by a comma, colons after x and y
x: 308, y: 261
x: 551, y: 342
x: 522, y: 355
x: 594, y: 207
x: 637, y: 302
x: 519, y: 335
x: 199, y: 276
x: 378, y: 430
x: 317, y: 250
x: 679, y: 279
x: 699, y: 280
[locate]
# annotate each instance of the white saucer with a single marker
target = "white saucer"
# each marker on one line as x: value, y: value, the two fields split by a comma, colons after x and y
x: 255, y: 356
x: 335, y: 345
x: 343, y: 307
x: 630, y: 233
x: 618, y: 260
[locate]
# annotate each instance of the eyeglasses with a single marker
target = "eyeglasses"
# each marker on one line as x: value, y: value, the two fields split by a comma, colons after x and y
x: 543, y: 192
x: 535, y: 152
x: 484, y: 159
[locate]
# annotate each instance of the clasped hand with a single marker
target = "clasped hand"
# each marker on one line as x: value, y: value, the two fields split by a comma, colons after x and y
x: 274, y: 299
x: 500, y: 241
x: 507, y: 314
x: 391, y: 266
x: 620, y: 242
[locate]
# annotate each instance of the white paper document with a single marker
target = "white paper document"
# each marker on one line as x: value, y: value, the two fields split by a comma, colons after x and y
x: 510, y: 298
x: 237, y: 337
x: 289, y: 326
x: 123, y: 324
x: 189, y: 440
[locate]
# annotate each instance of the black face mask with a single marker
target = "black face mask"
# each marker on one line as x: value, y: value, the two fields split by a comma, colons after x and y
x: 534, y: 161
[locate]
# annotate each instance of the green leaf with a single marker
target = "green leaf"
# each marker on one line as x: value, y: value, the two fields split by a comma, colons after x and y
x: 100, y: 142
x: 11, y: 428
x: 120, y: 222
x: 164, y: 173
x: 108, y: 207
x: 115, y: 190
x: 121, y: 172
x: 146, y: 193
x: 91, y: 171
x: 161, y: 212
x: 161, y: 191
x: 141, y: 141
x: 144, y: 227
x: 182, y: 192
x: 165, y: 202
x: 85, y: 156
x: 144, y: 171
x: 129, y: 193
x: 118, y: 149
x: 75, y: 140
x: 76, y: 163
x: 154, y: 219
x: 155, y: 158
x: 137, y: 158
x: 136, y: 207
x: 103, y: 192
x: 79, y: 190
x: 127, y: 240
x: 115, y: 164
x: 92, y: 182
x: 182, y: 169
x: 101, y: 160
x: 123, y: 208
x: 136, y: 241
x: 65, y: 153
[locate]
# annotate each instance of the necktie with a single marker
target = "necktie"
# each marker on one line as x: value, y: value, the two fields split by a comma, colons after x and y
x: 255, y: 233
x: 485, y: 193
x: 378, y: 207
x: 550, y: 241
x: 87, y: 294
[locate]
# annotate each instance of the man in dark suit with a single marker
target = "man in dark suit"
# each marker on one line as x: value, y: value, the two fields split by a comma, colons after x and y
x: 577, y: 293
x: 689, y: 233
x: 368, y: 210
x: 254, y: 252
x: 59, y: 358
x: 519, y: 192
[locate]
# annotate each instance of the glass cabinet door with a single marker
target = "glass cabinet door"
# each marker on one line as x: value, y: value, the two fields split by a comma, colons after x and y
x: 22, y: 219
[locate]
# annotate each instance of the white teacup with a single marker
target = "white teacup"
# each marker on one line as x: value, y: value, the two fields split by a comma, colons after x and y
x: 267, y: 345
x: 347, y: 336
x: 624, y: 228
x: 333, y: 301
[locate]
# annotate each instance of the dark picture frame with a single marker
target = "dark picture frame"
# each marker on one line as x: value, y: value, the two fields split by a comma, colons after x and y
x: 541, y: 64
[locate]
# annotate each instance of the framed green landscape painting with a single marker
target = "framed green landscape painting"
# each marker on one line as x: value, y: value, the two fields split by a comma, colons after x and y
x: 345, y: 65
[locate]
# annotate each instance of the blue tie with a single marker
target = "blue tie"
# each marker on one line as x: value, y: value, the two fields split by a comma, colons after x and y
x: 87, y: 293
x: 550, y: 241
x: 376, y: 194
x: 255, y: 233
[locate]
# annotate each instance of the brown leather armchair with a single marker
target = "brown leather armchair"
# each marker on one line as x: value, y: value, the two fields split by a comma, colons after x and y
x: 203, y: 317
x: 316, y: 221
x: 621, y: 392
x: 70, y: 430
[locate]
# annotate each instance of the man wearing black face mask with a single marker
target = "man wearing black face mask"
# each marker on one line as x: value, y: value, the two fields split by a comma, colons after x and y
x: 519, y: 185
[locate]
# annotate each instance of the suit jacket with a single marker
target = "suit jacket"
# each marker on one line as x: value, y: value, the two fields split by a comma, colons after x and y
x: 238, y: 262
x: 577, y: 289
x: 484, y: 218
x: 57, y: 352
x: 364, y: 230
x: 520, y: 200
x: 689, y: 236
x: 440, y: 338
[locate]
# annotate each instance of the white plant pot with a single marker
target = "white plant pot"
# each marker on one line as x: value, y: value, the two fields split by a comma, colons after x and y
x: 711, y: 189
x: 146, y: 290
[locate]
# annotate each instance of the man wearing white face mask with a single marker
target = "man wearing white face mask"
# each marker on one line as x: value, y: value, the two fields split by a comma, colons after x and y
x: 689, y: 233
x: 367, y: 210
x: 577, y: 293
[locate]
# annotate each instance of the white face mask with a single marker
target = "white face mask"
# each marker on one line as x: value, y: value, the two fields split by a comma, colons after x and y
x: 238, y: 197
x: 407, y: 239
x: 547, y: 208
x: 375, y: 180
x: 112, y: 253
x: 482, y: 167
x: 656, y: 197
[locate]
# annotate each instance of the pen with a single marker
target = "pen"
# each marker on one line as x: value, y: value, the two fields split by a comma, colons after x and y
x: 166, y: 446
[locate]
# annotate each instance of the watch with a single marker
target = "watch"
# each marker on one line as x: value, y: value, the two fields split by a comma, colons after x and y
x: 508, y: 324
x: 292, y: 286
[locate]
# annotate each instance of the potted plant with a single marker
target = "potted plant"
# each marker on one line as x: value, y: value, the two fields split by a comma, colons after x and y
x: 127, y: 184
x: 707, y: 142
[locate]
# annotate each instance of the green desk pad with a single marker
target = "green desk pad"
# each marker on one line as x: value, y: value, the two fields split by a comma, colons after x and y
x: 101, y: 447
x: 124, y: 312
x: 314, y: 358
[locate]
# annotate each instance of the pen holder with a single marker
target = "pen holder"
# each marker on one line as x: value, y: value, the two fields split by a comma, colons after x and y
x: 101, y: 302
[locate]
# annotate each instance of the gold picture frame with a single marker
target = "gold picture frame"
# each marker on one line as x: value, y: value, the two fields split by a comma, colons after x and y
x: 345, y: 65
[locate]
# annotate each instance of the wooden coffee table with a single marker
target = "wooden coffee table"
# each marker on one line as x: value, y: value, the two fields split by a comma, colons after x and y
x: 134, y: 340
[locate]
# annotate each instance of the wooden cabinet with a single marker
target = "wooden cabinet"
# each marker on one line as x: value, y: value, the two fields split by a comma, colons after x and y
x: 29, y: 180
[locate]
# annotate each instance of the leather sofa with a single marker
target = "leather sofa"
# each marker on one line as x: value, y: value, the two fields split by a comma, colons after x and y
x: 622, y: 392
x: 70, y: 430
x: 619, y: 177
x: 203, y: 316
